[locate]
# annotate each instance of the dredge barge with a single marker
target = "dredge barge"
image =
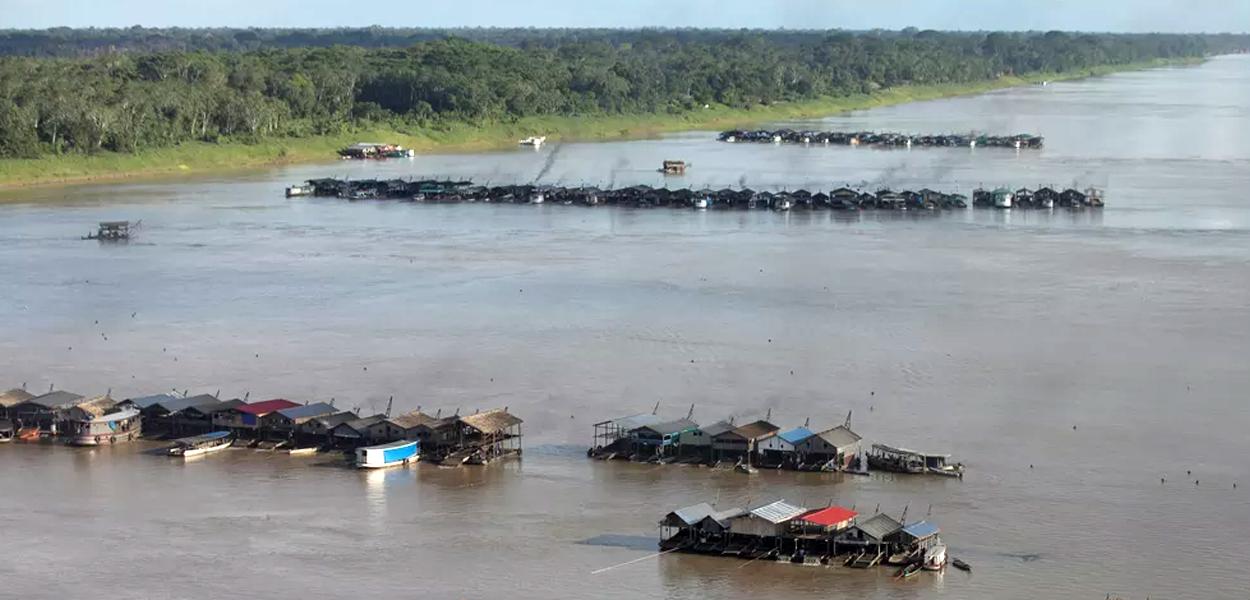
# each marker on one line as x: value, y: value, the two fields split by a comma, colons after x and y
x: 885, y: 139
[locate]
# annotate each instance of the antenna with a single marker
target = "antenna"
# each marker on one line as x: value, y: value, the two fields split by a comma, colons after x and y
x: 109, y: 393
x: 769, y: 417
x: 438, y: 414
x: 690, y: 413
x: 217, y: 393
x: 847, y: 424
x: 332, y: 401
x: 389, y: 401
x: 656, y: 409
x: 807, y: 422
x: 903, y: 517
x: 877, y: 509
x: 49, y: 388
x: 247, y: 395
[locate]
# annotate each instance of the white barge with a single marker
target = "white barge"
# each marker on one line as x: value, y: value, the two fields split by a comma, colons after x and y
x: 388, y: 455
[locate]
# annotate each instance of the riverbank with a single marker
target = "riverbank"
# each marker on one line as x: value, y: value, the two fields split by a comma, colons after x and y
x: 199, y: 158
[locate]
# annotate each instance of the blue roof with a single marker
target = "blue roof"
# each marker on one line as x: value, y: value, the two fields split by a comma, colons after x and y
x: 308, y: 410
x: 921, y: 529
x: 795, y: 435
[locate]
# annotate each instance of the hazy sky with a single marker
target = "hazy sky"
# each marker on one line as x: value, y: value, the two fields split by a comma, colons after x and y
x: 1085, y: 15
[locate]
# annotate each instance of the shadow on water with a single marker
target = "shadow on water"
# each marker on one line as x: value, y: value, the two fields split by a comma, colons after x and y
x: 617, y: 540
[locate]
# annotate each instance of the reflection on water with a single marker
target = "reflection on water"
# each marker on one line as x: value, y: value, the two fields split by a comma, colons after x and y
x: 987, y: 334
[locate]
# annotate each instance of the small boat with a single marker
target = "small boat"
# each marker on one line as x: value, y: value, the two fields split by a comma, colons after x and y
x: 388, y: 455
x: 28, y: 434
x: 305, y: 451
x: 7, y: 432
x: 746, y: 469
x: 903, y: 558
x: 961, y: 565
x: 935, y: 557
x: 1002, y: 198
x: 537, y: 198
x: 701, y: 203
x: 199, y: 445
x: 121, y: 426
x: 909, y: 570
x: 299, y: 190
x: 956, y: 470
x: 534, y: 140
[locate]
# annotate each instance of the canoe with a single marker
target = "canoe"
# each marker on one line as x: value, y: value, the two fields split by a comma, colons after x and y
x: 961, y: 565
x: 908, y: 570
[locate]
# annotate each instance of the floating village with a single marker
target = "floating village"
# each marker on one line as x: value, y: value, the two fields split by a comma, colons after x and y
x: 883, y: 139
x: 445, y: 191
x: 204, y: 424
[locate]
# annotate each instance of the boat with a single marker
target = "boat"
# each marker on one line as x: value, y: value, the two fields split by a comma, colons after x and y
x: 112, y: 231
x: 701, y: 203
x: 1002, y: 198
x: 7, y: 431
x: 909, y: 570
x: 935, y: 557
x: 299, y: 190
x: 961, y: 565
x: 955, y: 470
x: 783, y: 203
x: 537, y: 198
x: 895, y: 460
x: 29, y: 434
x: 303, y: 451
x: 111, y: 428
x: 533, y: 140
x: 199, y: 445
x: 902, y: 558
x: 746, y: 469
x: 388, y: 455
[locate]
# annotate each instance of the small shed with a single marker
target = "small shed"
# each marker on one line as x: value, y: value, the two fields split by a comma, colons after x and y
x: 198, y: 418
x: 11, y: 398
x: 743, y: 440
x: 687, y: 517
x: 919, y: 534
x: 321, y: 426
x: 674, y: 167
x: 875, y: 531
x: 699, y: 440
x: 769, y: 520
x: 783, y: 447
x: 493, y: 433
x: 718, y: 522
x: 142, y: 402
x: 827, y: 520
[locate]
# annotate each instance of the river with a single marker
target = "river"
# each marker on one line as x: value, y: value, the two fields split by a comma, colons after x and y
x: 1072, y: 360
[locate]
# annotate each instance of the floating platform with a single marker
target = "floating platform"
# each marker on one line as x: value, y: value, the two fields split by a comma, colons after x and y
x: 643, y: 196
x: 1019, y: 141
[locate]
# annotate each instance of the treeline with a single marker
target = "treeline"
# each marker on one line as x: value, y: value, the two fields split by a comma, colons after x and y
x: 128, y: 101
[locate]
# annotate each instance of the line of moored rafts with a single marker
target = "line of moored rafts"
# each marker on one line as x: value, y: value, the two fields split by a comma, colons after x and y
x: 888, y: 139
x: 828, y: 536
x: 643, y: 196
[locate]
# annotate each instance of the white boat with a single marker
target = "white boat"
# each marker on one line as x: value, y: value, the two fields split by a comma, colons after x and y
x: 935, y: 557
x: 1048, y: 202
x: 1002, y: 198
x: 7, y: 431
x: 783, y: 203
x: 701, y: 203
x: 538, y: 198
x: 388, y: 455
x: 299, y: 190
x: 121, y: 426
x: 533, y: 140
x: 302, y: 451
x: 200, y: 445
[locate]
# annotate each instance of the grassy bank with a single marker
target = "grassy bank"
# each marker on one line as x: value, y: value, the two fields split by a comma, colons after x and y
x: 207, y: 157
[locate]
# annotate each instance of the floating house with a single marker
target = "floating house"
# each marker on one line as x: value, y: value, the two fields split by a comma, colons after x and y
x: 143, y: 402
x: 742, y: 442
x: 434, y: 433
x: 320, y: 427
x: 833, y: 448
x: 826, y: 520
x: 782, y: 449
x: 44, y: 411
x: 199, y: 417
x: 661, y: 439
x: 356, y: 432
x: 873, y: 534
x: 246, y: 419
x: 391, y: 454
x: 12, y: 398
x: 286, y: 421
x: 697, y: 442
x: 482, y: 437
x: 100, y: 421
x: 768, y: 521
x: 609, y: 433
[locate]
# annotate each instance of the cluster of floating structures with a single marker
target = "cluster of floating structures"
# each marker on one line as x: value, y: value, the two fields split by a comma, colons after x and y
x: 758, y: 444
x: 829, y: 536
x: 375, y: 150
x: 204, y: 424
x: 448, y: 191
x: 883, y: 139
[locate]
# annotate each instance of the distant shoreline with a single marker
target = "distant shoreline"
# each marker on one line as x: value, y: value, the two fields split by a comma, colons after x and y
x: 206, y: 158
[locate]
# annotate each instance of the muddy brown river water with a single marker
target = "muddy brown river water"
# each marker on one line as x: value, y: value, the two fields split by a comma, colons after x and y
x: 1107, y: 349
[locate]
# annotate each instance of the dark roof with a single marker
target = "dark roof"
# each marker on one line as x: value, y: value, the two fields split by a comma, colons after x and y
x: 414, y: 419
x: 214, y: 405
x: 178, y: 404
x: 718, y: 428
x: 839, y: 437
x: 360, y: 425
x: 334, y: 420
x: 58, y: 399
x: 308, y: 410
x: 146, y: 401
x: 671, y: 427
x: 879, y: 526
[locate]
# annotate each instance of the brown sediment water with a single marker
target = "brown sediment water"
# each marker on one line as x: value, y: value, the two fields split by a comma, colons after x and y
x: 987, y: 334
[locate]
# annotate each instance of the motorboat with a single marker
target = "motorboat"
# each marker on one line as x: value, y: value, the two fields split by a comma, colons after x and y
x: 935, y: 557
x: 701, y: 203
x: 537, y: 198
x: 7, y: 431
x: 1002, y: 198
x: 111, y: 428
x: 388, y: 455
x: 199, y: 445
x: 533, y: 140
x: 961, y: 565
x: 299, y: 190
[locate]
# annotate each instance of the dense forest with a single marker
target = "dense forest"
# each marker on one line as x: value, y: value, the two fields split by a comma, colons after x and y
x: 71, y: 91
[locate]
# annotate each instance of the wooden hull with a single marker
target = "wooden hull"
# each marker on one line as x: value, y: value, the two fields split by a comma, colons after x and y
x: 194, y: 452
x: 103, y: 440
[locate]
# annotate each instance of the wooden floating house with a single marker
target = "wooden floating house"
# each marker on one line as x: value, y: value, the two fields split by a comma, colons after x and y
x: 789, y: 533
x: 12, y: 398
x: 110, y: 231
x: 673, y: 167
x: 99, y: 421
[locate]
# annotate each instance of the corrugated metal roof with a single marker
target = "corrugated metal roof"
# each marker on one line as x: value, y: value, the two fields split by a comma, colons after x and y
x: 633, y: 421
x: 96, y: 406
x: 308, y: 410
x: 692, y: 514
x: 921, y: 529
x: 840, y: 436
x: 757, y: 430
x: 795, y: 435
x: 414, y: 419
x: 58, y: 399
x: 331, y: 421
x: 360, y: 425
x: 178, y: 404
x: 491, y: 421
x: 671, y: 427
x: 778, y: 512
x: 146, y: 401
x: 14, y: 396
x: 265, y: 407
x: 717, y: 428
x: 879, y: 526
x: 830, y: 516
x: 724, y: 516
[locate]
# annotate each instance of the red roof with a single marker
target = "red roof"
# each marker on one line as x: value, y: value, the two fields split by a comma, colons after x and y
x: 829, y: 516
x: 266, y: 407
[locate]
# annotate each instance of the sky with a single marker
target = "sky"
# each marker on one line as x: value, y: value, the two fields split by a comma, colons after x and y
x: 1070, y: 15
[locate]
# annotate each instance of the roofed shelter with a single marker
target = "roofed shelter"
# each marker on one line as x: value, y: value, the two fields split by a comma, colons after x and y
x: 286, y: 420
x: 608, y: 432
x: 836, y: 446
x: 11, y: 398
x: 488, y: 435
x: 782, y: 448
x: 741, y: 442
x: 769, y: 520
x: 248, y: 416
x: 44, y: 410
